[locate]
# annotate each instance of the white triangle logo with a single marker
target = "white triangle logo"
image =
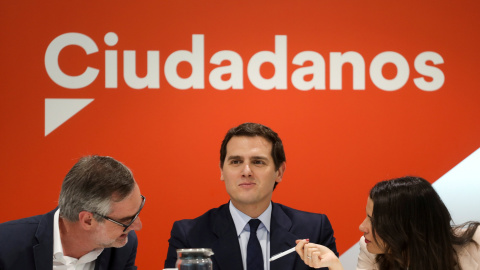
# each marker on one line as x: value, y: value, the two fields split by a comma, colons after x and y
x: 459, y: 189
x: 59, y: 110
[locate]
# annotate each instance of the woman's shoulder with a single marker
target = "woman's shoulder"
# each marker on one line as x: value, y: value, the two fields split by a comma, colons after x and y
x: 476, y: 236
x: 469, y: 255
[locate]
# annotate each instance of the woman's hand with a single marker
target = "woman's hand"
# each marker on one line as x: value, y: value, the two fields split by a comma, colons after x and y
x: 317, y: 256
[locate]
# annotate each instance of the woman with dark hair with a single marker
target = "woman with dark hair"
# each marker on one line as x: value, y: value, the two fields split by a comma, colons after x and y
x: 407, y: 227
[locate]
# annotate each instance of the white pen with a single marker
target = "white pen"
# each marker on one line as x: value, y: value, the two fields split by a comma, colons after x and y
x: 279, y: 255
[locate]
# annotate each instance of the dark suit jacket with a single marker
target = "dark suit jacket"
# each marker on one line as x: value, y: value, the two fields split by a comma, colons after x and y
x: 27, y: 244
x: 215, y: 229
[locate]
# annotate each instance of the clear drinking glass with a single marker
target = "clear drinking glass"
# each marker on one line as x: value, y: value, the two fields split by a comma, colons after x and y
x: 194, y: 259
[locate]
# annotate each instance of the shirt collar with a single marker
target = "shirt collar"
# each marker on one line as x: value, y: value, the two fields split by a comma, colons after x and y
x: 58, y: 248
x: 240, y: 219
x: 57, y: 243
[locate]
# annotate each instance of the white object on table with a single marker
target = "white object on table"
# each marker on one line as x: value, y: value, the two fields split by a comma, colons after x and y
x: 279, y: 255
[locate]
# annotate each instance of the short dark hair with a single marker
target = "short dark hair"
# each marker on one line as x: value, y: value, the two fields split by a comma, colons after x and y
x: 92, y: 184
x: 415, y: 226
x: 252, y: 130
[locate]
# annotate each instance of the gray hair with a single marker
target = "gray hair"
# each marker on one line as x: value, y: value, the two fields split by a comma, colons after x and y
x: 92, y: 184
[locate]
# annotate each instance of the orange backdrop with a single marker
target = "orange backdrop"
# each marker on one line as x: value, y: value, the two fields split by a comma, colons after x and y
x: 338, y: 142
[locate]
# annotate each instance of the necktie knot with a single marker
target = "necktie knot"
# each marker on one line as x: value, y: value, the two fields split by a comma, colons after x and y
x: 254, y: 223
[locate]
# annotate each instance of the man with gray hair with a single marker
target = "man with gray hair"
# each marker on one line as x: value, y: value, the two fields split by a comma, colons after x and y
x: 93, y: 227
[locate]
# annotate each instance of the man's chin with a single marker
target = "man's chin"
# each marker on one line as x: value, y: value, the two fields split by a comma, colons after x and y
x: 118, y: 243
x: 121, y: 241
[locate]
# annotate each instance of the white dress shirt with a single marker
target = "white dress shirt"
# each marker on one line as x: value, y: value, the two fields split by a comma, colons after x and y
x: 243, y: 232
x: 62, y: 262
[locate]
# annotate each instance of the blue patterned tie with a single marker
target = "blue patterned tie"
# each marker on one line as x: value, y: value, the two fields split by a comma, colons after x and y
x: 254, y: 250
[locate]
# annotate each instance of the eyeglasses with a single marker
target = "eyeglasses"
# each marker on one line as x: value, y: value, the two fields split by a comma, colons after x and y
x: 131, y: 222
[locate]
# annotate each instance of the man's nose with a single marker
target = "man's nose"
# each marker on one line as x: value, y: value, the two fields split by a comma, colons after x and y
x: 246, y: 170
x: 137, y: 225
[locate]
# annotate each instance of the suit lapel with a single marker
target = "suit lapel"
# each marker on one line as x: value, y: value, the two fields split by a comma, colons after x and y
x: 43, y: 257
x: 102, y: 260
x: 226, y: 248
x: 281, y: 239
x: 43, y: 251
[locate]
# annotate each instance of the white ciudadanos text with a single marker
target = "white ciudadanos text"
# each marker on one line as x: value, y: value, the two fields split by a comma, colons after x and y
x: 223, y: 77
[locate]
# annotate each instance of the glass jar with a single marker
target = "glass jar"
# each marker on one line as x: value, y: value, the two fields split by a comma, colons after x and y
x: 194, y: 259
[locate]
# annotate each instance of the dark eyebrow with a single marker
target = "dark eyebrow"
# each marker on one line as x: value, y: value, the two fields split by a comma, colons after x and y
x: 260, y: 157
x: 234, y: 157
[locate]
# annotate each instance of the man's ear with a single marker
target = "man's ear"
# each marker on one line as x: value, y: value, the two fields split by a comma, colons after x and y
x: 280, y: 172
x: 86, y: 220
x: 221, y: 172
